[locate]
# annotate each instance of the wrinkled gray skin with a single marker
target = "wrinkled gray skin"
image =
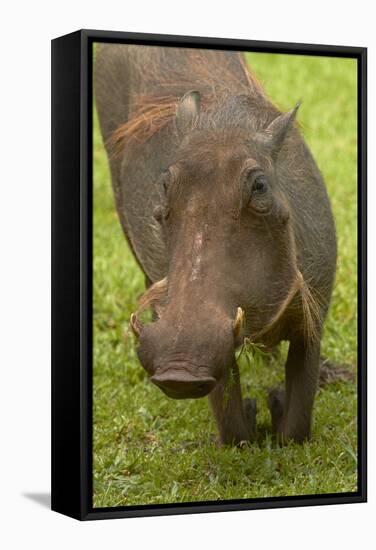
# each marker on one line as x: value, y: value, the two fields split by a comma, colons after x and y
x: 193, y: 209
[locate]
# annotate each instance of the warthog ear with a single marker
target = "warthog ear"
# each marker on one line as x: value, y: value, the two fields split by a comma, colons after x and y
x: 274, y: 135
x: 187, y: 112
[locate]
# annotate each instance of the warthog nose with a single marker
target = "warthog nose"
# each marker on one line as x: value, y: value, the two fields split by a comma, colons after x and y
x: 183, y: 385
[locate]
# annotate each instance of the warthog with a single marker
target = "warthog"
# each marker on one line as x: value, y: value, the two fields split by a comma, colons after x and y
x: 228, y: 217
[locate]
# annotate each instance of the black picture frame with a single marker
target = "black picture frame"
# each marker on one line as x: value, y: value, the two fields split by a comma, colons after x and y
x: 72, y: 273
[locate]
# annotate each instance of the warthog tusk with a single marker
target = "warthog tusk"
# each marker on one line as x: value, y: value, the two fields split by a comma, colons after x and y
x: 136, y: 326
x: 239, y: 321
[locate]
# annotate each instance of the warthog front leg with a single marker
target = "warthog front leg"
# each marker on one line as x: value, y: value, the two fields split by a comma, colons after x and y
x: 291, y: 409
x: 236, y: 419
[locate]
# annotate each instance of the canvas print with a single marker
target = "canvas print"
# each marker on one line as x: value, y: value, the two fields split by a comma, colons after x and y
x: 224, y: 275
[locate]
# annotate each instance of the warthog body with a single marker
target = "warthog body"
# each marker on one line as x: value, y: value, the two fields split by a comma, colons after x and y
x: 228, y: 217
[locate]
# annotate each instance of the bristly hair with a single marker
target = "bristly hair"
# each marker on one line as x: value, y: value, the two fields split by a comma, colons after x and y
x: 151, y: 113
x: 149, y: 117
x: 310, y: 307
x: 311, y: 312
x: 154, y: 297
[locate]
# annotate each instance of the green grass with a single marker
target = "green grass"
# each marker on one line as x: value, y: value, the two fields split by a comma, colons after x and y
x: 150, y: 449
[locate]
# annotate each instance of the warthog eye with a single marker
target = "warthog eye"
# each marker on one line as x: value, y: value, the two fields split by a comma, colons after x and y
x: 256, y: 195
x: 260, y: 184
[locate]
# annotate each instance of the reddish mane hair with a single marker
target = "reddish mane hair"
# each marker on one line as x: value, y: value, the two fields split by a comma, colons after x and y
x: 150, y: 114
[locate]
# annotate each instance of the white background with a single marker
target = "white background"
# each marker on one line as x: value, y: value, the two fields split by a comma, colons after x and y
x: 27, y: 28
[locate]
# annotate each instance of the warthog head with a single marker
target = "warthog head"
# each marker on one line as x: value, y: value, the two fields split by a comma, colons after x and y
x: 232, y: 261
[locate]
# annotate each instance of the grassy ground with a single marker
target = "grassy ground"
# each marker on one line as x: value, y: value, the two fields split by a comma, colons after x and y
x: 150, y: 449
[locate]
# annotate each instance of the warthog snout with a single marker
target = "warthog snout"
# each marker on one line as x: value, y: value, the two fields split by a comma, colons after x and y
x: 181, y: 384
x: 186, y: 361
